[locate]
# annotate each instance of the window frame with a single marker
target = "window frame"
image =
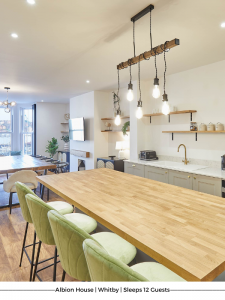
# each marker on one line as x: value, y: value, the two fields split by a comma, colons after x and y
x: 12, y: 127
x: 22, y: 132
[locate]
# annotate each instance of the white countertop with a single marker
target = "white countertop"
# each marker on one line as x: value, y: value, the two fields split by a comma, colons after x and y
x: 190, y: 168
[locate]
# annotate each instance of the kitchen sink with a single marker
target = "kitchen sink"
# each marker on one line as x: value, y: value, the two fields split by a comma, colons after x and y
x: 176, y: 165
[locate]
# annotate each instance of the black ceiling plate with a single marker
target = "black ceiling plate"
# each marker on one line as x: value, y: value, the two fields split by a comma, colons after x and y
x: 142, y: 13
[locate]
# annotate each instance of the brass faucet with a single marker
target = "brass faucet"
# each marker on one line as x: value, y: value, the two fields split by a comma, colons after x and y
x: 185, y: 160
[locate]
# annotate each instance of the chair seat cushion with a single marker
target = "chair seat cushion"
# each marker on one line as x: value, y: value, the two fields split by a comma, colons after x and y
x: 156, y: 272
x: 30, y: 185
x: 62, y: 207
x: 82, y: 221
x: 116, y: 246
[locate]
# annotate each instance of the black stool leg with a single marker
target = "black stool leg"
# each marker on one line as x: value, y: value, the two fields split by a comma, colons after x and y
x: 47, y: 194
x: 24, y: 241
x: 37, y: 258
x: 63, y: 275
x: 10, y: 203
x: 32, y: 259
x: 55, y: 264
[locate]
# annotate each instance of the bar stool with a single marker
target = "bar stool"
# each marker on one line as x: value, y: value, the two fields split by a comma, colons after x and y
x: 38, y: 210
x: 22, y: 191
x: 69, y: 238
x: 104, y: 267
x: 26, y: 176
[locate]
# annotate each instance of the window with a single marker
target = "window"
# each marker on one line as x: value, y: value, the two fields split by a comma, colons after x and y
x: 5, y: 132
x: 27, y: 130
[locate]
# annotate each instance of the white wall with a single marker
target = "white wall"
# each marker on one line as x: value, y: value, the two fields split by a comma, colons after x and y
x: 92, y: 106
x: 200, y: 89
x: 49, y: 119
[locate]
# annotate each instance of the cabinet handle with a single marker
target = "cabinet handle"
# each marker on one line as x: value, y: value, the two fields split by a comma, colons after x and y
x: 133, y: 165
x: 194, y: 177
x: 189, y: 176
x: 165, y: 172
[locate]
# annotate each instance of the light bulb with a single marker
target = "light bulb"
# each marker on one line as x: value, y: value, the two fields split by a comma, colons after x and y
x: 139, y: 113
x: 1, y: 103
x: 7, y: 110
x: 13, y: 103
x: 165, y: 108
x: 130, y: 95
x: 5, y: 102
x: 118, y: 120
x: 156, y: 92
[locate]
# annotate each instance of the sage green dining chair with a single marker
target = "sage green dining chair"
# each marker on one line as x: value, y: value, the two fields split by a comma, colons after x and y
x: 38, y: 210
x: 69, y: 238
x: 22, y: 190
x: 104, y: 267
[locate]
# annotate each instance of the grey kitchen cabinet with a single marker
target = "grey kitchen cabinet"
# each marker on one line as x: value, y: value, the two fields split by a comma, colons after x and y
x: 134, y: 169
x: 158, y: 174
x: 180, y: 179
x: 208, y: 185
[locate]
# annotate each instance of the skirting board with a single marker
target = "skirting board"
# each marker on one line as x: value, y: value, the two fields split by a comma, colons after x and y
x: 80, y: 153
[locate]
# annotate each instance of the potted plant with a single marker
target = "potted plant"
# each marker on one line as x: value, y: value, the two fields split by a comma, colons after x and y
x: 66, y: 140
x: 125, y: 127
x: 52, y: 147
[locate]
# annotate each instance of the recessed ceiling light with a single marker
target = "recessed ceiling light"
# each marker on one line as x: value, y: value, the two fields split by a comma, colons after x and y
x: 42, y: 100
x: 14, y: 35
x: 223, y: 25
x: 88, y: 81
x: 31, y: 1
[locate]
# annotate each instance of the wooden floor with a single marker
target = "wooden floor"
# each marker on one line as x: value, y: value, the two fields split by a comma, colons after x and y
x: 12, y: 229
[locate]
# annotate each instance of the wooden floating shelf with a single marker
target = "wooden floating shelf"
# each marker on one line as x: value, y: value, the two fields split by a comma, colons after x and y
x: 172, y: 113
x: 80, y: 153
x: 64, y: 131
x: 105, y: 119
x: 194, y: 131
x: 65, y: 123
x: 113, y: 130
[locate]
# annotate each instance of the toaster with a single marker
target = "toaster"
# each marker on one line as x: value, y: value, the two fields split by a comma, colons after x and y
x: 148, y: 155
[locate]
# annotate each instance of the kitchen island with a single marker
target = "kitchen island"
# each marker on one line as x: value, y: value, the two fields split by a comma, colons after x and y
x: 182, y: 229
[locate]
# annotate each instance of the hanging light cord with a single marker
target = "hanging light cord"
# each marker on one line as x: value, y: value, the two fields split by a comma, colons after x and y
x: 165, y: 67
x: 134, y: 37
x: 118, y: 89
x: 151, y: 29
x: 129, y: 62
x: 139, y: 77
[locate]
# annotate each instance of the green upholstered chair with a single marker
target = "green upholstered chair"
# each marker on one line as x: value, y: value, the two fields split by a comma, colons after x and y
x: 105, y: 267
x: 22, y: 190
x: 69, y: 239
x: 38, y: 210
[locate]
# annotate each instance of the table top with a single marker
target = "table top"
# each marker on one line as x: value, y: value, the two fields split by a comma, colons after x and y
x: 11, y: 164
x: 182, y: 229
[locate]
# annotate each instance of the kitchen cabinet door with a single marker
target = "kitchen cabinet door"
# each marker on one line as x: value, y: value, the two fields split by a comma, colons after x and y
x: 208, y: 185
x: 158, y: 174
x: 134, y: 169
x: 181, y: 179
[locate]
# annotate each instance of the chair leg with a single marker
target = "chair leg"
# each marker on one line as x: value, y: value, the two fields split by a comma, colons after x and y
x: 40, y: 187
x: 7, y: 175
x: 47, y: 194
x: 55, y: 264
x: 37, y: 258
x: 42, y: 192
x: 32, y: 259
x: 63, y: 275
x: 10, y: 203
x: 35, y: 191
x: 24, y: 241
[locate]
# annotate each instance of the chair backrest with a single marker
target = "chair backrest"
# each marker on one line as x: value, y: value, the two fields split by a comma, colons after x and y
x: 15, y: 153
x: 69, y: 239
x: 22, y: 191
x: 25, y: 176
x: 103, y: 267
x: 39, y: 210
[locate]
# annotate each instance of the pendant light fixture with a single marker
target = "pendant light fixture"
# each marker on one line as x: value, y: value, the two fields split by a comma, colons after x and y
x: 118, y: 112
x: 156, y: 90
x: 6, y: 102
x: 165, y: 106
x: 139, y: 112
x: 130, y: 93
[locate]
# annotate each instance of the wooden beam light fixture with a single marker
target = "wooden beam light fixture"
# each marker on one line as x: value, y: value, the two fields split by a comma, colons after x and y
x: 163, y: 48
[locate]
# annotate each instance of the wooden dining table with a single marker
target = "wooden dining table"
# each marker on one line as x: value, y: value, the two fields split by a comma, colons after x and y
x: 12, y: 164
x: 182, y: 229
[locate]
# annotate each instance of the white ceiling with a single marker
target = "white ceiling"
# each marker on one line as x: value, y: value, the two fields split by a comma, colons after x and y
x: 61, y: 44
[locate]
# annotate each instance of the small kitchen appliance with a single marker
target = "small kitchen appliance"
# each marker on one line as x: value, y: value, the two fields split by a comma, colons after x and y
x: 148, y: 155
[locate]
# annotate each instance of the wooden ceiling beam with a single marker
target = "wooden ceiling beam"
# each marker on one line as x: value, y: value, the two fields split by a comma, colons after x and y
x: 159, y: 49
